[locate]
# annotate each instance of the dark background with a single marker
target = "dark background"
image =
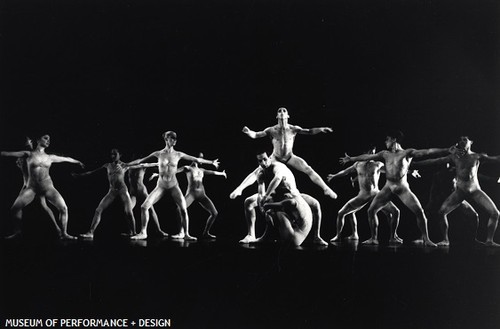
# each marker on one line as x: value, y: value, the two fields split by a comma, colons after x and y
x: 102, y: 74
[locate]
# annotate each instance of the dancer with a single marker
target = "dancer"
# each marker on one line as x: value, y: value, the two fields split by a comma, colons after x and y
x: 281, y: 202
x: 252, y: 201
x: 38, y: 163
x: 468, y: 189
x: 397, y: 161
x: 293, y: 216
x: 22, y: 165
x: 368, y: 174
x: 283, y: 136
x: 117, y: 189
x: 168, y: 160
x: 138, y: 190
x: 196, y: 192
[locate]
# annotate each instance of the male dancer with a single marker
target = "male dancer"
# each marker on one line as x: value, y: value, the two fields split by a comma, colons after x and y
x: 40, y: 184
x: 251, y: 202
x: 282, y: 202
x: 468, y: 188
x: 397, y: 161
x: 117, y: 189
x: 168, y: 160
x: 283, y: 136
x: 368, y: 174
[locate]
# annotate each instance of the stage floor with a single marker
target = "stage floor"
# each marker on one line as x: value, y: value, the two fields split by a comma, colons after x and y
x: 223, y: 284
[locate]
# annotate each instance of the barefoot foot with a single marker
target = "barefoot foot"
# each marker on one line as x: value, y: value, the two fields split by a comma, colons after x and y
x: 319, y: 241
x: 66, y: 236
x: 85, y: 235
x: 248, y: 239
x: 139, y: 236
x: 371, y: 242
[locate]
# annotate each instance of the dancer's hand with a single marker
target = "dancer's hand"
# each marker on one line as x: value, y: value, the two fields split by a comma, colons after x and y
x: 345, y: 160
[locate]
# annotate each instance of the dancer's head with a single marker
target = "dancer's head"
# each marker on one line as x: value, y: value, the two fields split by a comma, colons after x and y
x: 464, y: 143
x: 263, y: 159
x: 282, y: 113
x: 201, y: 156
x: 43, y: 141
x: 393, y: 137
x: 115, y: 154
x: 170, y: 138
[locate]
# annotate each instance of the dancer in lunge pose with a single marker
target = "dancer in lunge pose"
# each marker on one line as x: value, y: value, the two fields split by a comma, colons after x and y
x: 40, y: 184
x: 467, y: 185
x: 251, y: 203
x: 168, y: 160
x: 283, y: 136
x: 368, y: 174
x: 397, y: 161
x: 196, y: 192
x: 117, y: 189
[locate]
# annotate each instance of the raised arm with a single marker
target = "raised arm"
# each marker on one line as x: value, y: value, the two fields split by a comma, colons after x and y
x: 255, y: 134
x: 363, y: 157
x: 18, y: 154
x: 345, y: 172
x: 312, y: 131
x: 188, y: 157
x: 58, y: 159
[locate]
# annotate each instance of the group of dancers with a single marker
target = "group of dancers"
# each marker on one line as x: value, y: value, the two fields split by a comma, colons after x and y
x: 295, y: 215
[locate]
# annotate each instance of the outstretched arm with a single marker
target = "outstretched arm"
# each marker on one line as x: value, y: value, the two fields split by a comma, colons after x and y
x: 188, y: 157
x: 255, y: 134
x: 424, y: 163
x: 137, y: 161
x: 345, y: 172
x: 312, y: 131
x: 88, y: 172
x: 363, y: 157
x: 19, y: 154
x: 140, y: 165
x: 216, y: 173
x: 249, y: 180
x: 430, y: 152
x: 487, y: 158
x: 59, y: 159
